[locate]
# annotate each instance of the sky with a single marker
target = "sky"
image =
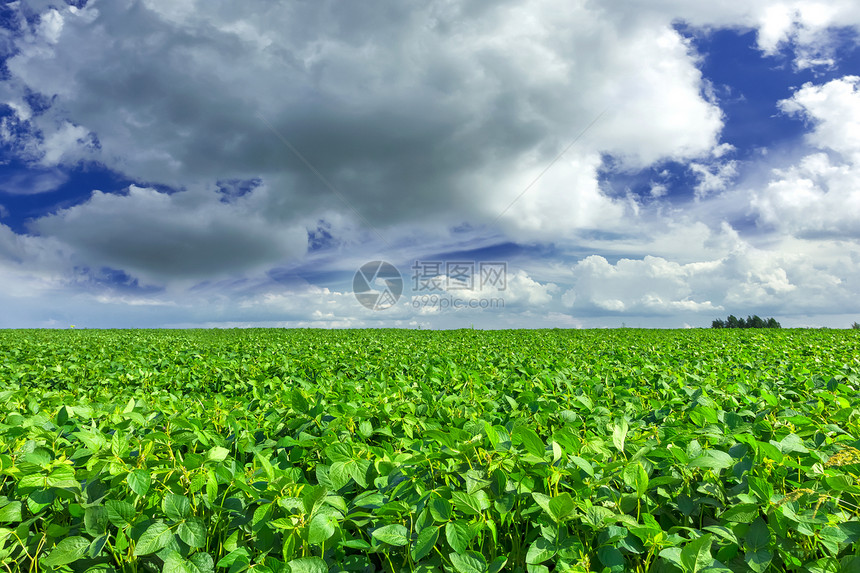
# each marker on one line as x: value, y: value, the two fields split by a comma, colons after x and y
x: 428, y: 164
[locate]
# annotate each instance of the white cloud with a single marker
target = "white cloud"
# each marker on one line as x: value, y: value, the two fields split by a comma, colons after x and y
x: 566, y: 199
x: 819, y: 195
x: 834, y: 110
x: 423, y: 118
x: 799, y: 278
x: 713, y: 178
x: 659, y: 190
x: 802, y: 27
x: 51, y: 26
x: 650, y: 285
x: 32, y: 182
x: 67, y: 144
x: 806, y: 25
x: 815, y: 197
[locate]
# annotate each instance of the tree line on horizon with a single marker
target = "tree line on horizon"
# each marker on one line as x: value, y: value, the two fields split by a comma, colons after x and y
x: 754, y: 321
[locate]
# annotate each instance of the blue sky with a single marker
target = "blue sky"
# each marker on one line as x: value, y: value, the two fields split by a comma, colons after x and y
x: 178, y: 163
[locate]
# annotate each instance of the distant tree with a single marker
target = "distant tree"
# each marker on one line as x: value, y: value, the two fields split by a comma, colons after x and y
x: 754, y: 321
x: 856, y: 325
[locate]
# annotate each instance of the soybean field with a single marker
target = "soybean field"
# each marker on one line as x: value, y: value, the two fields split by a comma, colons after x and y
x: 309, y: 451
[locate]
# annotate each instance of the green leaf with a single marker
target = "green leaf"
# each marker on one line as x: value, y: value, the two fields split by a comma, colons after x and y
x: 597, y: 516
x: 713, y: 460
x: 101, y: 568
x: 542, y: 500
x: 756, y: 544
x: 497, y: 565
x: 119, y: 445
x: 63, y: 416
x: 312, y: 498
x: 611, y: 557
x: 211, y: 486
x: 267, y: 467
x: 758, y: 561
x: 758, y: 536
x: 203, y: 562
x: 740, y: 513
x: 298, y: 400
x: 358, y: 471
x: 561, y: 507
x: 619, y: 434
x: 365, y: 428
x: 67, y: 551
x: 529, y: 440
x: 849, y: 564
x: 94, y: 441
x: 424, y: 543
x: 120, y: 513
x: 11, y: 512
x: 767, y: 450
x: 842, y: 483
x: 761, y: 488
x: 322, y: 527
x: 40, y: 456
x: 583, y: 464
x: 468, y: 562
x: 237, y: 560
x: 557, y: 451
x: 139, y: 481
x: 696, y: 554
x: 338, y: 475
x: 672, y: 555
x: 459, y: 535
x: 218, y: 454
x: 394, y: 534
x: 539, y: 551
x: 192, y: 532
x: 96, y: 520
x: 792, y: 443
x: 175, y: 563
x: 440, y: 509
x: 263, y: 514
x: 176, y: 507
x: 308, y: 565
x: 636, y: 478
x: 339, y: 452
x: 703, y: 415
x: 155, y: 538
x: 586, y: 402
x: 33, y: 480
x: 63, y: 477
x: 851, y: 530
x: 470, y: 504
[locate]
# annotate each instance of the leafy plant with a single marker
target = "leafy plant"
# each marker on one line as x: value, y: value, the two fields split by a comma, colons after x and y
x: 468, y: 451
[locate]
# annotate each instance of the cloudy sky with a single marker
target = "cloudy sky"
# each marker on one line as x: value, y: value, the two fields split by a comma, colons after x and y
x: 537, y: 163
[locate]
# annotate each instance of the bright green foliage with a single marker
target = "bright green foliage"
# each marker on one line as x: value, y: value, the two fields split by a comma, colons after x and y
x: 531, y: 451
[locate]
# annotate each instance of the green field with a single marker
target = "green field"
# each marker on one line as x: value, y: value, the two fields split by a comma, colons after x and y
x: 468, y: 451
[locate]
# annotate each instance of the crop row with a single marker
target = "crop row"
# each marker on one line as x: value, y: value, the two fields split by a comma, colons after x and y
x: 464, y: 451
